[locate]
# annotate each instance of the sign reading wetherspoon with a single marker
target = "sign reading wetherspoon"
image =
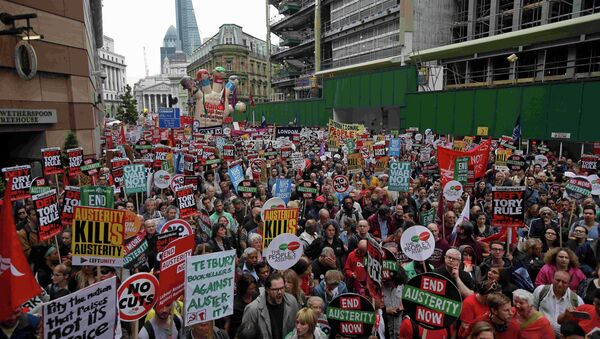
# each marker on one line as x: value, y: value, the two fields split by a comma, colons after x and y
x: 351, y: 315
x: 432, y: 301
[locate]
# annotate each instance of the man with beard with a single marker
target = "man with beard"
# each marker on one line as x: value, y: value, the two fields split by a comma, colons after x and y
x: 348, y: 211
x: 164, y: 324
x: 397, y: 220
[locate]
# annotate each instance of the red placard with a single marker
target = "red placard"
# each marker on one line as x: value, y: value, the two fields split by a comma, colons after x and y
x: 20, y: 178
x: 172, y: 270
x: 187, y: 202
x: 48, y: 215
x: 71, y: 199
x: 52, y: 162
x: 75, y: 159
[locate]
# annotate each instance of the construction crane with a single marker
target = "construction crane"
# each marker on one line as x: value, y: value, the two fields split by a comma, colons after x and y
x: 146, y: 63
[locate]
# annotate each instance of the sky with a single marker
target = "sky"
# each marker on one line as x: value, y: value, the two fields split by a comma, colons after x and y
x: 135, y: 24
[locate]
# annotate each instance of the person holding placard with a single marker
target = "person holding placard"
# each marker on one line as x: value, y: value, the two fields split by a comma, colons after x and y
x: 451, y: 271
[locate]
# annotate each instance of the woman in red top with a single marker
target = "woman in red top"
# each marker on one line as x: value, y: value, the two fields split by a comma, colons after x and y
x: 475, y: 305
x: 500, y: 316
x: 533, y: 323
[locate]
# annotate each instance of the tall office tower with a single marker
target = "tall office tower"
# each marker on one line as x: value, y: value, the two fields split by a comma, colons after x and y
x: 187, y: 27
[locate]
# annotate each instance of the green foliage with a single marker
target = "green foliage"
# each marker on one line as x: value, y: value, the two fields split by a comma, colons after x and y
x: 127, y: 112
x: 71, y: 141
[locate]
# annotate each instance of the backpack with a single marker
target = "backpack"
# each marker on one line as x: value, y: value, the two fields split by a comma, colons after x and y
x: 150, y: 329
x: 546, y: 289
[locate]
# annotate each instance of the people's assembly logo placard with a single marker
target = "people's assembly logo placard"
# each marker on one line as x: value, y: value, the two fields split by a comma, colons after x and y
x: 284, y: 251
x: 453, y: 190
x: 417, y: 243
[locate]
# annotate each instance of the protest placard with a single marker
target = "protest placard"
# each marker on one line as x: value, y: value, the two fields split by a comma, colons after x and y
x: 209, y: 281
x: 417, y: 243
x: 341, y: 183
x: 135, y: 177
x: 172, y: 270
x: 52, y: 162
x: 307, y: 190
x: 186, y: 202
x: 160, y: 155
x: 399, y: 176
x: 236, y: 174
x: 578, y: 188
x: 134, y: 250
x: 228, y: 152
x: 98, y: 237
x: 39, y: 185
x: 284, y: 251
x: 351, y: 316
x: 20, y: 178
x: 374, y: 267
x: 453, y: 190
x: 247, y: 189
x: 390, y: 264
x: 355, y: 163
x: 394, y: 147
x: 90, y: 167
x: 279, y: 221
x: 508, y: 206
x: 162, y: 179
x: 589, y: 163
x: 75, y: 160
x: 516, y: 162
x: 283, y: 189
x: 461, y: 170
x: 432, y: 301
x: 117, y: 171
x: 48, y: 215
x: 136, y: 296
x: 90, y: 312
x: 97, y: 196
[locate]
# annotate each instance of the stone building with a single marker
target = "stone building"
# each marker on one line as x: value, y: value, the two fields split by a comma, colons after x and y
x: 114, y: 76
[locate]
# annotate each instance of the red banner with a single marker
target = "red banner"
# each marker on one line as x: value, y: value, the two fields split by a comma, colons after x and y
x: 20, y: 177
x: 70, y: 200
x: 478, y: 158
x: 172, y: 270
x: 46, y: 205
x: 52, y: 163
x: 186, y: 202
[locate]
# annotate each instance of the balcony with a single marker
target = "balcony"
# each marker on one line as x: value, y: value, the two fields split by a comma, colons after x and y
x: 289, y: 7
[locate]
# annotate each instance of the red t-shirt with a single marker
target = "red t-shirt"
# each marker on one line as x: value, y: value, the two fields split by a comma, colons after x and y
x: 406, y: 331
x: 594, y: 321
x: 471, y: 309
x: 512, y: 331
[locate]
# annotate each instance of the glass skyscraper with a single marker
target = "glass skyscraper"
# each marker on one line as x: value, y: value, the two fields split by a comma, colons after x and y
x: 187, y: 27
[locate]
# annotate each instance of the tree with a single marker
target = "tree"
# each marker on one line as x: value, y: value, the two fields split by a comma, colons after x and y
x: 127, y: 112
x: 71, y: 141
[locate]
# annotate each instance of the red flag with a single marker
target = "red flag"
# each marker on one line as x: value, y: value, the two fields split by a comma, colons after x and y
x: 16, y: 280
x: 478, y: 158
x: 122, y: 139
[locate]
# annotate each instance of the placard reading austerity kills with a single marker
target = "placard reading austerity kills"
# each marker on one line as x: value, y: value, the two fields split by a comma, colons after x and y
x: 98, y: 235
x: 279, y: 221
x: 209, y: 280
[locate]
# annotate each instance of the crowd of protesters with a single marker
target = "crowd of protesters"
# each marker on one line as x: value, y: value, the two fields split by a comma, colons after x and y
x: 534, y: 287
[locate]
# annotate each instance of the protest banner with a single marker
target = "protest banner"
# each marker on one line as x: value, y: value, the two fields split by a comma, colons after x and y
x: 194, y: 180
x: 228, y: 152
x: 374, y: 267
x: 340, y: 131
x: 135, y: 178
x: 516, y: 162
x: 39, y: 185
x: 432, y: 301
x: 589, y: 163
x: 136, y: 296
x: 87, y: 313
x: 134, y: 251
x: 160, y: 155
x: 341, y: 183
x: 182, y: 227
x: 189, y: 161
x: 20, y: 179
x: 279, y: 221
x: 351, y: 316
x: 578, y: 188
x: 284, y: 251
x: 236, y: 175
x: 427, y: 217
x: 381, y: 165
x: 247, y: 189
x: 117, y: 171
x: 417, y: 243
x: 399, y: 176
x: 75, y: 159
x: 162, y: 179
x: 287, y: 131
x: 172, y: 270
x: 307, y: 190
x: 453, y: 190
x: 541, y: 160
x: 298, y: 162
x: 177, y: 182
x: 90, y: 167
x: 98, y: 196
x: 34, y: 305
x: 209, y: 281
x: 355, y: 163
x: 98, y: 237
x: 52, y: 162
x: 46, y: 206
x: 508, y: 206
x: 461, y: 170
x: 478, y: 158
x: 390, y: 264
x: 273, y: 203
x: 283, y: 189
x: 394, y: 147
x: 186, y: 202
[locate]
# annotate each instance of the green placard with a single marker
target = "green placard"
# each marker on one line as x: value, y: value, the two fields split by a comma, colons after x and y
x: 461, y: 170
x: 98, y: 196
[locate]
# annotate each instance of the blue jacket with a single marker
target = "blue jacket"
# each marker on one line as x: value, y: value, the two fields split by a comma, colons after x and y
x: 319, y: 291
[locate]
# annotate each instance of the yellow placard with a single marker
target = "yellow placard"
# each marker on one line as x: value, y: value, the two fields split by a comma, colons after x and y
x: 482, y: 131
x: 279, y: 221
x: 98, y: 233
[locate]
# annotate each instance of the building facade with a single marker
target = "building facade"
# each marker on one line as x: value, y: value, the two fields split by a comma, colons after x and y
x: 240, y: 54
x: 114, y: 76
x: 186, y: 26
x: 66, y: 91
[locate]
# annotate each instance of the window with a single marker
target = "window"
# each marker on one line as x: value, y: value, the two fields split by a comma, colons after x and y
x: 228, y: 65
x: 229, y: 40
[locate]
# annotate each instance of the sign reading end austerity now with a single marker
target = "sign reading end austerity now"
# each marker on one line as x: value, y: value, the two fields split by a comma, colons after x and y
x: 98, y: 235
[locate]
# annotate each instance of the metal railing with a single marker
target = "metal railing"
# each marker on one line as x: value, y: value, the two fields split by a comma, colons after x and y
x: 278, y: 18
